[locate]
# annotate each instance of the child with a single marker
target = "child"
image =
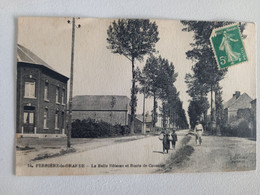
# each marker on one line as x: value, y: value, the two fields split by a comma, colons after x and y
x: 174, y: 139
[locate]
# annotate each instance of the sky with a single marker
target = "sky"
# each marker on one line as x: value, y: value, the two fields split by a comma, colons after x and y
x: 97, y: 71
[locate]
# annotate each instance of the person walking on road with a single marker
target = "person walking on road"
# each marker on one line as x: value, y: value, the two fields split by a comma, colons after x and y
x: 164, y: 137
x: 198, y: 130
x: 174, y: 138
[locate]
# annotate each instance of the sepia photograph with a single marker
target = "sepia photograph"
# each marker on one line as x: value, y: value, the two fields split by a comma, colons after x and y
x: 134, y: 96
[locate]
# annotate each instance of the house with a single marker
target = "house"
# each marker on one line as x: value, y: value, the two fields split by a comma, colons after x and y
x: 138, y: 123
x: 41, y: 97
x: 112, y: 109
x: 253, y: 107
x: 253, y: 110
x: 237, y: 102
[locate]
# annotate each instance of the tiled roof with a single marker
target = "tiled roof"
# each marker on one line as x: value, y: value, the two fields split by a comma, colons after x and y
x: 100, y: 102
x: 148, y: 119
x: 25, y: 55
x: 243, y: 101
x: 229, y: 102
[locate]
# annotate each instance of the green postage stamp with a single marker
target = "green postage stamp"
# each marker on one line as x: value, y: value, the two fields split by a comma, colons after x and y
x: 228, y: 46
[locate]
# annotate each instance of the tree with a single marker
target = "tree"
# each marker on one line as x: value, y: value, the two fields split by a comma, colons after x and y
x: 198, y: 90
x: 157, y: 75
x: 112, y: 104
x: 164, y: 113
x: 180, y: 119
x: 132, y: 38
x: 205, y: 70
x: 194, y: 111
x: 220, y: 119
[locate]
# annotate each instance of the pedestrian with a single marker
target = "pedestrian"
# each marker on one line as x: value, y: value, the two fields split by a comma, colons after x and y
x: 198, y: 130
x: 174, y: 138
x: 164, y: 137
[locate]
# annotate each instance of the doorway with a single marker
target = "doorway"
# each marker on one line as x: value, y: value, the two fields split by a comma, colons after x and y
x: 29, y: 119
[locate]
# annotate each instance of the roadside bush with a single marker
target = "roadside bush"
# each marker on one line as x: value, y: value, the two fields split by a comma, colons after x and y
x: 92, y: 129
x: 239, y: 128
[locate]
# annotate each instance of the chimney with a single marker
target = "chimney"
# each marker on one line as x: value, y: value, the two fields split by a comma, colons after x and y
x: 236, y: 94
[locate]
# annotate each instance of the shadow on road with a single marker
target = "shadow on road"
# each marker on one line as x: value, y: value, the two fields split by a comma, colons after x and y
x: 158, y: 152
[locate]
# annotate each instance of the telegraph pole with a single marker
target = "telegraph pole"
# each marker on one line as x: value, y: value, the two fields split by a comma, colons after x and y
x: 71, y: 81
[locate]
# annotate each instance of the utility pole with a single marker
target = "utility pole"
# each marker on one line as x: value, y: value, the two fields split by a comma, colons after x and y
x: 71, y: 81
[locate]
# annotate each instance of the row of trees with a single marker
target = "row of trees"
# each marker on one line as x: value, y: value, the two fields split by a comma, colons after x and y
x: 157, y: 81
x: 134, y: 39
x: 206, y: 76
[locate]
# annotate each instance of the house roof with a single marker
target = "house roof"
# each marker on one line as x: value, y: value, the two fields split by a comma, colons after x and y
x: 243, y: 101
x: 26, y: 56
x: 100, y: 103
x: 148, y: 119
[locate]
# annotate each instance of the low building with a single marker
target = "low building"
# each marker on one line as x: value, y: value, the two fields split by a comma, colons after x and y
x: 237, y: 102
x: 139, y: 123
x: 112, y: 109
x: 41, y: 97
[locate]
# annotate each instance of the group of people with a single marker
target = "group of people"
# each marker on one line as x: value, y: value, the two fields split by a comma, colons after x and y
x: 166, y: 137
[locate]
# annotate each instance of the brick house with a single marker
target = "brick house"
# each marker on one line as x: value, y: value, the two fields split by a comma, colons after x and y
x: 237, y: 102
x: 107, y: 108
x: 41, y: 97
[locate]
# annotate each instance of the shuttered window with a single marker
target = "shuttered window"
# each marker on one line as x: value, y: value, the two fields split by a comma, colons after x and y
x: 29, y: 90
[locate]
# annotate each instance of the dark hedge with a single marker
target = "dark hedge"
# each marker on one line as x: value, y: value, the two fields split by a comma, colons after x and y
x: 92, y: 129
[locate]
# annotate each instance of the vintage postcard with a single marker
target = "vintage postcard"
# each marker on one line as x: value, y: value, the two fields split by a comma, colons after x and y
x: 134, y: 96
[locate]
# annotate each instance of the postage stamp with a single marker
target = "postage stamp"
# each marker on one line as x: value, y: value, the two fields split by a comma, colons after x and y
x: 228, y: 46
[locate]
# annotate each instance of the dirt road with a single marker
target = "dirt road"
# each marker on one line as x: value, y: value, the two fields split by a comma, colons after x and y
x: 220, y: 154
x: 114, y: 158
x: 145, y: 156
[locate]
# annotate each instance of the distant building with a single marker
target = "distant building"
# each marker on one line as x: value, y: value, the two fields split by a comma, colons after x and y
x: 253, y: 109
x: 107, y: 108
x: 41, y: 97
x: 236, y: 103
x: 253, y: 106
x: 139, y: 123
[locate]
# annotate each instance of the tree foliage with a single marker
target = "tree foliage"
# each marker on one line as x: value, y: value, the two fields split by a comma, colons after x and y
x: 132, y: 38
x: 157, y: 78
x: 157, y: 75
x: 206, y: 75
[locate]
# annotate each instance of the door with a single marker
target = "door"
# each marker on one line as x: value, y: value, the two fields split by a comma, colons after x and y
x: 29, y: 119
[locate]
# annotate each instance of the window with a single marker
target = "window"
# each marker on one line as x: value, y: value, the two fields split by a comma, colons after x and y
x: 46, y: 91
x: 57, y: 94
x: 57, y: 120
x: 63, y: 96
x: 28, y: 117
x: 29, y: 89
x: 62, y: 120
x: 45, y: 118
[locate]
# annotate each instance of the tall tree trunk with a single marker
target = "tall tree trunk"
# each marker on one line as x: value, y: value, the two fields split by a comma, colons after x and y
x: 132, y: 99
x: 211, y: 103
x: 154, y: 109
x: 144, y: 126
x: 211, y: 110
x: 164, y: 115
x: 217, y: 112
